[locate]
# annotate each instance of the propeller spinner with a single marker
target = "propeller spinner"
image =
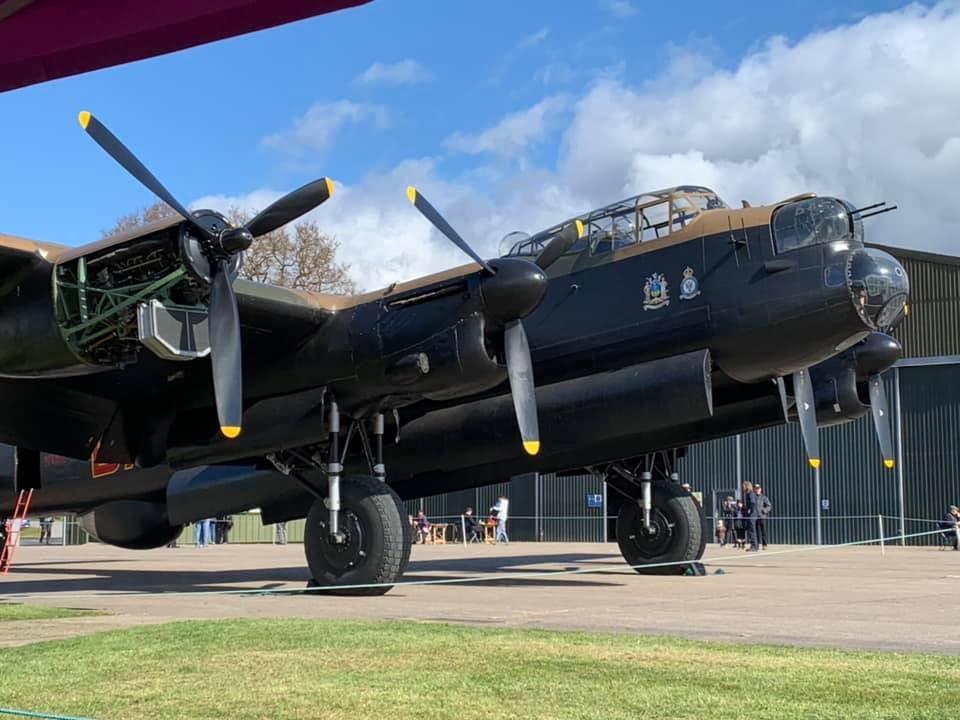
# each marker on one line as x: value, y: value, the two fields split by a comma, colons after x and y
x: 522, y: 292
x: 219, y: 246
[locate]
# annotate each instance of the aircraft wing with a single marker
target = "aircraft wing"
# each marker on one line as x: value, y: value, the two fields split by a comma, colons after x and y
x: 18, y: 256
x: 43, y: 40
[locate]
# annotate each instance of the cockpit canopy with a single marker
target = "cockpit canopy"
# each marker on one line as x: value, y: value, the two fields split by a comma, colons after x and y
x: 637, y: 219
x: 815, y: 221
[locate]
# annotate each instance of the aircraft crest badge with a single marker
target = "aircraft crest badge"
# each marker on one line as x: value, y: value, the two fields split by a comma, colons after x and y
x: 655, y: 294
x: 689, y: 286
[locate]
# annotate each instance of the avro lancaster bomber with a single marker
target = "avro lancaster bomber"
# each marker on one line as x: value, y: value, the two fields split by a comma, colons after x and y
x: 145, y: 386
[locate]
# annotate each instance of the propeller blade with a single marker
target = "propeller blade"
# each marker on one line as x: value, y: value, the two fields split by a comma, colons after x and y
x: 784, y: 404
x: 807, y: 412
x: 520, y: 372
x: 878, y: 405
x: 291, y: 206
x: 561, y: 242
x: 129, y: 162
x: 225, y: 355
x: 431, y: 214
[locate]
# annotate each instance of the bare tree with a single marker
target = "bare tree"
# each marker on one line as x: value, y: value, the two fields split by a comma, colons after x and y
x: 144, y: 216
x: 295, y: 256
x: 298, y: 255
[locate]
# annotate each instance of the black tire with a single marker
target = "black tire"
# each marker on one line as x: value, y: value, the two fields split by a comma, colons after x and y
x: 377, y: 549
x: 677, y: 524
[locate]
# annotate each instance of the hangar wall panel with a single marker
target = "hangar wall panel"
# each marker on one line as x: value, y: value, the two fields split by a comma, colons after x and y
x: 565, y: 511
x: 933, y: 326
x: 930, y: 399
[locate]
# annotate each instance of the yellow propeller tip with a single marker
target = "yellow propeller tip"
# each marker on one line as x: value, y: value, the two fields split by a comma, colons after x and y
x: 329, y: 184
x: 230, y: 431
x: 84, y: 118
x: 411, y: 194
x: 814, y: 463
x: 579, y: 224
x: 531, y: 446
x: 888, y: 464
x: 906, y: 310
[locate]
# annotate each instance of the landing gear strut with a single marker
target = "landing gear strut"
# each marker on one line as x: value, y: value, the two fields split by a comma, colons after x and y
x: 356, y: 534
x: 659, y: 521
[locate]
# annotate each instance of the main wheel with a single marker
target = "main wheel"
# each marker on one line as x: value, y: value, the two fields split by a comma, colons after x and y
x: 377, y: 540
x: 676, y: 531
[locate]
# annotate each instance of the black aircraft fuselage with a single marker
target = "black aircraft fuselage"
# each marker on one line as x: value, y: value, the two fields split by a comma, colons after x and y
x: 667, y: 323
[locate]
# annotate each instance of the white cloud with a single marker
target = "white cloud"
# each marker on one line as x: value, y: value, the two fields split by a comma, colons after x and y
x: 534, y: 38
x: 865, y: 111
x: 618, y: 8
x: 403, y: 72
x: 314, y: 130
x: 514, y: 133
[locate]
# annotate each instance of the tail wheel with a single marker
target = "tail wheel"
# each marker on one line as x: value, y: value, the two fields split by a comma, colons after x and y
x: 676, y: 531
x: 376, y: 549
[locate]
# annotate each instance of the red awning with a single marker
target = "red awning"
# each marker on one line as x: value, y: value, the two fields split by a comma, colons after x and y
x: 46, y: 39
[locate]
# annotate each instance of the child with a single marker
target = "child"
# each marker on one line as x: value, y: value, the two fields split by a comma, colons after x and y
x: 721, y: 533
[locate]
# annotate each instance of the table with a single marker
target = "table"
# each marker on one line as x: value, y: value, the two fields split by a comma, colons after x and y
x: 438, y: 533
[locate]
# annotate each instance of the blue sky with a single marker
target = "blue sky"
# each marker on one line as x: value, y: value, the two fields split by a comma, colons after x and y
x: 391, y: 83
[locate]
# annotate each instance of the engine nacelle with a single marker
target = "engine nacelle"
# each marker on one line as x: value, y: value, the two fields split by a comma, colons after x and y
x: 840, y: 387
x: 130, y: 524
x: 837, y: 396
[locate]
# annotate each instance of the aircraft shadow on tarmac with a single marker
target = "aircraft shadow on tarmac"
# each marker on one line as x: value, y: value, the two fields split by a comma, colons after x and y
x: 148, y: 581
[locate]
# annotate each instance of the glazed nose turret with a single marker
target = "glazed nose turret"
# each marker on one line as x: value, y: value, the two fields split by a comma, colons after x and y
x: 878, y: 286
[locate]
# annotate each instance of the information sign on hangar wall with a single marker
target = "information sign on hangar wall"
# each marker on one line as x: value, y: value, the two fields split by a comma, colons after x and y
x: 594, y: 501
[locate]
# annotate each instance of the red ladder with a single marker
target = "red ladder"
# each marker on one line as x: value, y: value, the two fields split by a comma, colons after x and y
x: 11, y: 540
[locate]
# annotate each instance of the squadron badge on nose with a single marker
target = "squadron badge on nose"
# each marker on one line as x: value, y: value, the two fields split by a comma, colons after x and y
x: 689, y: 286
x: 655, y: 295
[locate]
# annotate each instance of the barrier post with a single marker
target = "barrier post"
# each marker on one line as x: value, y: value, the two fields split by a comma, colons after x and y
x: 883, y: 551
x: 463, y: 530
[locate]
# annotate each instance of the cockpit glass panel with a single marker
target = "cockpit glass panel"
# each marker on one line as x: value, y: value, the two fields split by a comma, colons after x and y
x: 624, y: 230
x: 815, y: 221
x: 655, y: 221
x: 601, y: 235
x: 683, y: 210
x: 515, y: 243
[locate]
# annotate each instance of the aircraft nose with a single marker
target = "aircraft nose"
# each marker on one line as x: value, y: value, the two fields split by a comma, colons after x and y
x: 878, y: 286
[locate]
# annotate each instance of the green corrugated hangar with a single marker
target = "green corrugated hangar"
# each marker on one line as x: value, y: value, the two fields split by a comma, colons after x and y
x: 857, y: 495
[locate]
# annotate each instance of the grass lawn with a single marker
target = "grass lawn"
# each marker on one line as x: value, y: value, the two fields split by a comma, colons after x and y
x: 9, y: 611
x: 323, y: 669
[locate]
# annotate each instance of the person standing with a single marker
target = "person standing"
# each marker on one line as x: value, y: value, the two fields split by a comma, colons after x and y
x: 728, y: 511
x: 752, y: 512
x: 281, y: 533
x: 949, y: 525
x: 501, y: 511
x: 46, y: 527
x: 200, y: 534
x: 764, y: 507
x: 224, y: 524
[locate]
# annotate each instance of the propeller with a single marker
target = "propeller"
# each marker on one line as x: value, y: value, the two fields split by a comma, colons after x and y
x: 219, y: 246
x: 878, y: 406
x: 514, y: 289
x: 807, y: 413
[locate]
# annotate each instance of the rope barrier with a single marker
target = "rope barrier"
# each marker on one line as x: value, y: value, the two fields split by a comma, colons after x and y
x: 44, y: 716
x: 483, y: 577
